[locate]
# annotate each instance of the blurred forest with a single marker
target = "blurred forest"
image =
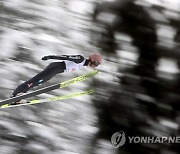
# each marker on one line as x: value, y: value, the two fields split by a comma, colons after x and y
x: 136, y: 90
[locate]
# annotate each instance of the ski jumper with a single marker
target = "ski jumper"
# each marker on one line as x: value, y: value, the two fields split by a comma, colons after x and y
x: 68, y: 63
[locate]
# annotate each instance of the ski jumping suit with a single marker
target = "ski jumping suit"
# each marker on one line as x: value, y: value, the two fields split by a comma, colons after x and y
x: 69, y: 63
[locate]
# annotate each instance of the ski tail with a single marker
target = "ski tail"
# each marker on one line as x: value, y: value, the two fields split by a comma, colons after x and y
x: 49, y: 88
x: 51, y: 99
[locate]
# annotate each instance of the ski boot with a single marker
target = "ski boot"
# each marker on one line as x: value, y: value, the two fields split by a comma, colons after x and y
x: 22, y: 101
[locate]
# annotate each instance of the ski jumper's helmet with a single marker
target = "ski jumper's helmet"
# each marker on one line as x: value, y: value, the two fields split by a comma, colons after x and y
x: 95, y: 59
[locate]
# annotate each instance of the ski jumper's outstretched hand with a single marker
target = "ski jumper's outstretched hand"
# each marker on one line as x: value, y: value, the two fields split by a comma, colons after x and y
x: 46, y: 57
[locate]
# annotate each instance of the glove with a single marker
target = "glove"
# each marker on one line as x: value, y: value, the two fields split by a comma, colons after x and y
x: 46, y: 58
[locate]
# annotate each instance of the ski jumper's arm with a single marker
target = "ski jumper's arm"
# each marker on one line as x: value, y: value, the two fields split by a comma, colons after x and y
x: 72, y: 62
x: 74, y: 58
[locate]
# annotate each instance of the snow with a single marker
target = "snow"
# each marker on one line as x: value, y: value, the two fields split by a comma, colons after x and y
x: 168, y: 66
x: 80, y: 7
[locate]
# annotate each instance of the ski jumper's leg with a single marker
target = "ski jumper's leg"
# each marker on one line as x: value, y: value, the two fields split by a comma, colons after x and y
x: 50, y: 71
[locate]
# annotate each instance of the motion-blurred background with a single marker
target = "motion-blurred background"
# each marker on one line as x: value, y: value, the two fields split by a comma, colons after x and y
x: 137, y: 89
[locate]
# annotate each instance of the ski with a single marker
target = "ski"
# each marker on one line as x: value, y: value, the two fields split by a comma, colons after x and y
x: 51, y: 99
x: 49, y: 88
